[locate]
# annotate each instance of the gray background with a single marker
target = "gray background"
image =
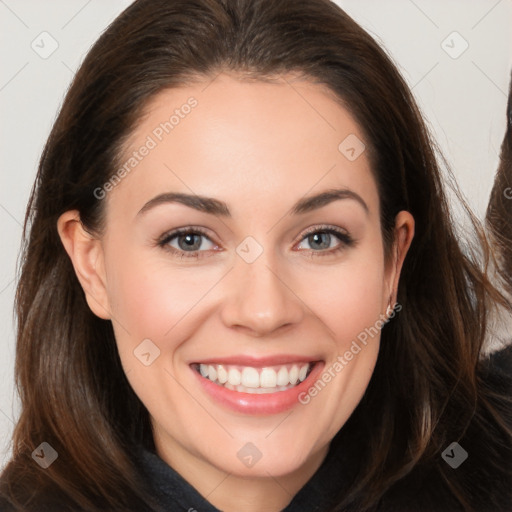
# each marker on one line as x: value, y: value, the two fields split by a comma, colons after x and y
x: 462, y: 95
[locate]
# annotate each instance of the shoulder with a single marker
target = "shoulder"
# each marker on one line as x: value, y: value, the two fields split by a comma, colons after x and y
x: 500, y: 363
x: 422, y: 490
x: 6, y: 506
x: 483, y: 479
x: 21, y: 491
x: 495, y: 380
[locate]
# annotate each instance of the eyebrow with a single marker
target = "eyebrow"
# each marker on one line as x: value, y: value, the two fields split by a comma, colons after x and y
x: 220, y: 208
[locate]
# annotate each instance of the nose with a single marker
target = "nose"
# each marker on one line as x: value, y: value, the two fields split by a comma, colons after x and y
x: 260, y: 301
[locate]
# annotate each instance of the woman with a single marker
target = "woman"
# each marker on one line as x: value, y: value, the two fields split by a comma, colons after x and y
x: 183, y: 344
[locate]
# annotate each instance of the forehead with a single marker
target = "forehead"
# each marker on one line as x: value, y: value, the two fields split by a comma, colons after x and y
x: 246, y: 142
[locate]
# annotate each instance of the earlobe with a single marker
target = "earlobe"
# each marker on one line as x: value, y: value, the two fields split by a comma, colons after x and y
x: 86, y: 254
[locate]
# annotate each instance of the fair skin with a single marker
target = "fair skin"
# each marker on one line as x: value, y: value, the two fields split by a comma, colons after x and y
x: 259, y: 147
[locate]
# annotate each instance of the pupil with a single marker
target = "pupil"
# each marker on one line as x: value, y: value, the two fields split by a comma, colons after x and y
x: 189, y: 241
x: 317, y: 235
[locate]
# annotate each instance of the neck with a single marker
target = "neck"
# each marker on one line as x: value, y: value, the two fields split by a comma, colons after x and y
x: 231, y: 493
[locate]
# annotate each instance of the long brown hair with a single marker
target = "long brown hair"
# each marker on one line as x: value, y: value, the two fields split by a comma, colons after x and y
x: 426, y: 387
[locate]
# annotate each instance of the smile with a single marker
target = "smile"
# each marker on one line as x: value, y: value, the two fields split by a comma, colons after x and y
x: 265, y: 386
x: 248, y: 379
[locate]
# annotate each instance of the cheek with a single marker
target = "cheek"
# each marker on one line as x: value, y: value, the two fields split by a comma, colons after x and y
x: 360, y: 302
x: 348, y: 301
x: 151, y: 301
x: 347, y: 298
x: 149, y: 298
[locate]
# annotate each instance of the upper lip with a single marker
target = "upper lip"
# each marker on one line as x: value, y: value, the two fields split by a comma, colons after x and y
x: 258, y: 362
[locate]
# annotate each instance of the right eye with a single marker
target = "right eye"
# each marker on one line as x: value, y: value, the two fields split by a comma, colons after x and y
x: 187, y: 242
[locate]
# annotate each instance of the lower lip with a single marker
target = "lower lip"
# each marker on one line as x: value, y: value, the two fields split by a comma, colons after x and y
x: 264, y: 404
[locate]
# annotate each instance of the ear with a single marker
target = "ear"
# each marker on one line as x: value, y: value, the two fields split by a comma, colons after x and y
x: 86, y: 254
x: 403, y: 235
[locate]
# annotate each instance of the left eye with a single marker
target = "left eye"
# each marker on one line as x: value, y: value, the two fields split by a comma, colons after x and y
x: 322, y: 239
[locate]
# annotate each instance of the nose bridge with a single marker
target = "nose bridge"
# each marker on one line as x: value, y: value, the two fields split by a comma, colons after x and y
x: 261, y: 300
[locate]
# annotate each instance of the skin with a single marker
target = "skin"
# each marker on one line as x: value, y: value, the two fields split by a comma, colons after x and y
x: 259, y: 147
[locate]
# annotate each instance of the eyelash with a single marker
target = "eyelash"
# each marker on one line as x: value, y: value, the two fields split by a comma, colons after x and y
x: 345, y: 239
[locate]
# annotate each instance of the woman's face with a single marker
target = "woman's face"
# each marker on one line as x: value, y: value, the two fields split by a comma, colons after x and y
x: 267, y: 295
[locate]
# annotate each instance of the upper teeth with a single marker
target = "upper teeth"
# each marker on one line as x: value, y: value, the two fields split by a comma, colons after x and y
x: 249, y: 377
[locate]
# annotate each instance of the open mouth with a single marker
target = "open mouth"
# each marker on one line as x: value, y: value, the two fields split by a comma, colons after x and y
x: 248, y: 379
